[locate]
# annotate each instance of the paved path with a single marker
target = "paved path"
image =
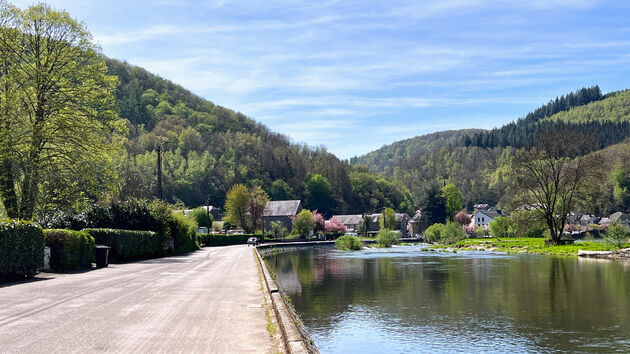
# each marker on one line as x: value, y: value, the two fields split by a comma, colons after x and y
x: 207, y: 301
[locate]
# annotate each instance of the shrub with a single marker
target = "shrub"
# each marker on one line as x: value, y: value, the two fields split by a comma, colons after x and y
x: 463, y: 218
x: 388, y: 219
x: 224, y: 240
x: 21, y: 248
x: 335, y: 226
x: 452, y: 233
x: 434, y: 232
x: 201, y: 217
x: 69, y: 250
x: 528, y: 223
x: 129, y: 244
x: 349, y: 243
x: 502, y: 227
x: 481, y: 231
x: 134, y: 214
x: 304, y: 223
x: 616, y: 236
x: 184, y: 233
x: 387, y: 238
x: 277, y: 230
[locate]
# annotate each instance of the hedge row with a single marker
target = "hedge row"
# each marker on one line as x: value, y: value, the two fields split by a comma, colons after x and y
x: 128, y: 244
x: 69, y: 250
x: 21, y: 248
x: 225, y: 240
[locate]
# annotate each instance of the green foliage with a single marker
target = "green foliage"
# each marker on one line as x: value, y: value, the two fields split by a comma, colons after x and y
x: 69, y: 249
x: 528, y: 223
x: 452, y: 233
x: 433, y: 206
x: 374, y: 193
x: 278, y: 230
x: 616, y: 236
x: 202, y: 217
x: 129, y: 244
x: 184, y: 233
x: 21, y: 248
x: 304, y: 223
x: 454, y: 200
x: 236, y: 205
x: 348, y: 243
x: 434, y: 232
x: 388, y: 219
x: 480, y: 231
x: 502, y: 227
x: 225, y: 240
x: 319, y: 195
x: 256, y: 206
x: 364, y: 226
x: 281, y: 190
x: 387, y: 238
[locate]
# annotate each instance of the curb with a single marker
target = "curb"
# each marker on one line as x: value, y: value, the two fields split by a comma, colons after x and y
x: 293, y: 340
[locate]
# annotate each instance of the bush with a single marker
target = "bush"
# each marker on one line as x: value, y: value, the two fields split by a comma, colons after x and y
x: 452, y: 233
x: 349, y: 243
x: 304, y: 223
x: 21, y: 248
x: 202, y: 217
x: 129, y: 244
x: 502, y: 227
x: 277, y: 230
x: 616, y: 236
x: 225, y: 240
x: 387, y: 238
x: 434, y: 232
x: 184, y: 233
x: 480, y: 231
x: 69, y: 250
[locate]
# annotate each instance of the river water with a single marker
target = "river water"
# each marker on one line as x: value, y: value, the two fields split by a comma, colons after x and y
x: 405, y: 299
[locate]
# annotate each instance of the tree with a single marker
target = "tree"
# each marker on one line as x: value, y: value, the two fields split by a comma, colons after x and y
x: 502, y: 227
x: 387, y: 237
x: 237, y: 204
x: 335, y: 226
x: 551, y: 177
x: 57, y: 111
x: 277, y: 230
x: 528, y: 223
x: 452, y: 233
x: 281, y: 190
x: 320, y: 222
x: 256, y: 206
x: 388, y: 219
x: 462, y: 218
x: 434, y: 232
x: 454, y: 199
x: 318, y: 194
x: 304, y: 223
x: 616, y: 235
x: 201, y: 217
x: 433, y: 207
x: 364, y: 226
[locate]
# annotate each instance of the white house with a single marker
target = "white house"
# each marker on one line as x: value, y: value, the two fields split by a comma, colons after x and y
x: 485, y: 217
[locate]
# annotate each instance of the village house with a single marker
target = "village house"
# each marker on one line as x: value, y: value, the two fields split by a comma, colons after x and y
x: 485, y: 217
x: 351, y: 221
x: 414, y: 225
x: 587, y: 219
x: 401, y: 223
x: 620, y: 218
x: 481, y: 207
x: 573, y: 217
x: 281, y: 210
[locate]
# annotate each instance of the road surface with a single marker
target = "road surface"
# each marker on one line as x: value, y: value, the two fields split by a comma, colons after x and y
x: 206, y: 301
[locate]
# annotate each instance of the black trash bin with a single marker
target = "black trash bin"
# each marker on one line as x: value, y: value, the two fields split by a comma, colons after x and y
x: 101, y: 254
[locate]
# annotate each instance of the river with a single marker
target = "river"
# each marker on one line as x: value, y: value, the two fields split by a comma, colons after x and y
x: 406, y: 299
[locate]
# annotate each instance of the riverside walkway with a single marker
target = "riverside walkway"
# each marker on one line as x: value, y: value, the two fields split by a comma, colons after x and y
x: 207, y: 301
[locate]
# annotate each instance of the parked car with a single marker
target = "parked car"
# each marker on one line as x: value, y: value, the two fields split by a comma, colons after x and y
x: 252, y: 241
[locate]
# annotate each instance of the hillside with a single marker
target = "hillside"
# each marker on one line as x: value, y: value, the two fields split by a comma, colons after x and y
x: 478, y: 162
x: 382, y: 160
x: 209, y: 148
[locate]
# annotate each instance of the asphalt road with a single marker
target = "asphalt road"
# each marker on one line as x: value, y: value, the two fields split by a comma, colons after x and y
x: 207, y: 301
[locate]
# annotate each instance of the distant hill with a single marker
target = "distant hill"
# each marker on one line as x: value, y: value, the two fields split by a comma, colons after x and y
x: 382, y: 160
x: 614, y: 108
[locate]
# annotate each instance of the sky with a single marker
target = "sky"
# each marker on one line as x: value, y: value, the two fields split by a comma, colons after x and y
x: 355, y: 75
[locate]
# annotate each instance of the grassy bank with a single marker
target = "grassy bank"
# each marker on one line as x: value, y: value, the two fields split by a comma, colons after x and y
x: 524, y: 245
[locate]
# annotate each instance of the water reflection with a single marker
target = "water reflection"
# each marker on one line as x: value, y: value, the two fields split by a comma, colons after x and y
x: 408, y: 300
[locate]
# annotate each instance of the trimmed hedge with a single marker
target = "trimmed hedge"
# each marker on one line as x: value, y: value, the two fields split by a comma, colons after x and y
x: 69, y: 250
x: 183, y: 231
x: 21, y: 248
x: 128, y: 244
x: 225, y: 240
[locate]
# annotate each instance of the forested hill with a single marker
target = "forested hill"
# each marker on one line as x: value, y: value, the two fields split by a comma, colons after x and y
x: 477, y: 162
x: 382, y: 160
x: 209, y: 148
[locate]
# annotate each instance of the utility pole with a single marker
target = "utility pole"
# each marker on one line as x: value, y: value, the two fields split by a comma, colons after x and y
x: 159, y: 172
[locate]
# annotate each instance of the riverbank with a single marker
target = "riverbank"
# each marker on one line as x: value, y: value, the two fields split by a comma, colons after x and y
x: 524, y: 245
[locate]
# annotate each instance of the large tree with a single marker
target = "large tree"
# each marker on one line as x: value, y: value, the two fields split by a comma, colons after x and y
x: 454, y: 199
x: 433, y: 207
x: 236, y: 205
x: 57, y: 111
x: 552, y: 177
x: 256, y: 206
x: 319, y: 195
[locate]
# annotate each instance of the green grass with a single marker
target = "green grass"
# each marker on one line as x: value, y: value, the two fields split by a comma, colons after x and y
x: 525, y: 245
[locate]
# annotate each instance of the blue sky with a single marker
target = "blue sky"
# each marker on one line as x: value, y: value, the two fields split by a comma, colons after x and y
x: 355, y: 75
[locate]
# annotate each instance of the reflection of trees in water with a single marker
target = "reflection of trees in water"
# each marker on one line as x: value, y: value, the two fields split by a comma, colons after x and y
x: 533, y: 296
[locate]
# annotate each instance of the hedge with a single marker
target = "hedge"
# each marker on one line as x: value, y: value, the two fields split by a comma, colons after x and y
x: 225, y: 240
x: 21, y: 248
x: 69, y: 250
x: 128, y: 244
x: 183, y: 231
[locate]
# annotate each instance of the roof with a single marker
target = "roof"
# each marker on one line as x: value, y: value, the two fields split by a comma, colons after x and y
x: 481, y: 206
x: 349, y: 219
x: 618, y: 216
x: 490, y: 213
x: 282, y: 208
x: 587, y: 217
x: 399, y: 217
